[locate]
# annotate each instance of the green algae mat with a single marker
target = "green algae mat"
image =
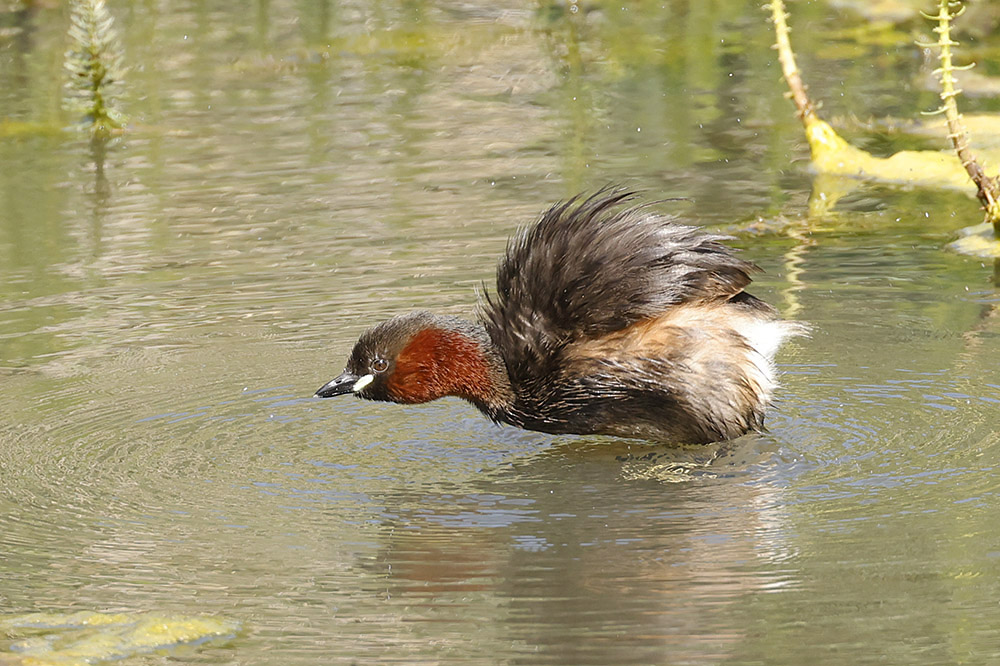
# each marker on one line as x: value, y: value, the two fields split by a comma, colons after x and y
x: 69, y: 639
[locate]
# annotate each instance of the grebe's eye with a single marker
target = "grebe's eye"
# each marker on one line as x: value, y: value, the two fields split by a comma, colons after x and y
x: 380, y: 365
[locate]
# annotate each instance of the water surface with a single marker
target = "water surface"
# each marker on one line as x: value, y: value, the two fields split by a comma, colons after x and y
x: 297, y: 171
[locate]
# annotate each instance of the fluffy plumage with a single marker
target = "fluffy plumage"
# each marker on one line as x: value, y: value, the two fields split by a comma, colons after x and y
x: 590, y: 267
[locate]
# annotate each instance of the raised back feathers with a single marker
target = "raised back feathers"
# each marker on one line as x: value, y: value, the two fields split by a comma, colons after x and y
x: 594, y: 266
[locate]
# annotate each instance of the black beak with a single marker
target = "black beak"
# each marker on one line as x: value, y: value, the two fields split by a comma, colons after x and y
x: 344, y: 383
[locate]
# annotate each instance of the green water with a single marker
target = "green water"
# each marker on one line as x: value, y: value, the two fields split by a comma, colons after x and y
x: 295, y: 171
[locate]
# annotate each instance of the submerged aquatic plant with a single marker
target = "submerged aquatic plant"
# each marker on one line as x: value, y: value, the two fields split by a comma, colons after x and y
x: 94, y: 63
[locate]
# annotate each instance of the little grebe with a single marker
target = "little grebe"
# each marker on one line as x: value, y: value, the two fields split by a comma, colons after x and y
x: 607, y: 319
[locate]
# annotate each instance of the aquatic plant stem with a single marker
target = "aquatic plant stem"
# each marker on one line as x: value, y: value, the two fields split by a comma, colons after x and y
x: 786, y: 57
x: 988, y: 188
x: 94, y: 67
x: 829, y: 151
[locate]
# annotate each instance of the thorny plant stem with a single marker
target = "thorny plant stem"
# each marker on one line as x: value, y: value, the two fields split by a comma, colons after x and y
x: 787, y: 59
x: 988, y: 189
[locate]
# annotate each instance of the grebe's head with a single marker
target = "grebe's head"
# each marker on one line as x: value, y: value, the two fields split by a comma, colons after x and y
x: 375, y: 360
x: 416, y: 358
